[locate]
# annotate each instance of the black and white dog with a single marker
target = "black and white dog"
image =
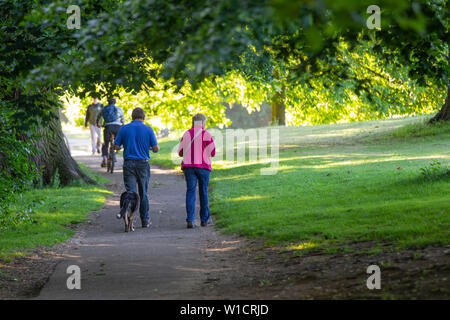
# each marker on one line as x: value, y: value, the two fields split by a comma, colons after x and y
x: 129, y: 204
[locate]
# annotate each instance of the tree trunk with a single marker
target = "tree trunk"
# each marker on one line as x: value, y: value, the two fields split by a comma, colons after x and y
x: 53, y: 156
x: 444, y: 113
x: 278, y: 108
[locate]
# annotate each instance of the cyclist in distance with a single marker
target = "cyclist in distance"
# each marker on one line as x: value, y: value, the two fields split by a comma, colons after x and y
x: 113, y: 119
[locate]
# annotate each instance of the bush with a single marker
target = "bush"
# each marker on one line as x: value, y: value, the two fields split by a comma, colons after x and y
x: 17, y: 170
x: 435, y: 171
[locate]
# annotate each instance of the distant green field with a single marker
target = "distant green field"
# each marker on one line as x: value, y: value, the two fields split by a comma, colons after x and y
x: 384, y: 180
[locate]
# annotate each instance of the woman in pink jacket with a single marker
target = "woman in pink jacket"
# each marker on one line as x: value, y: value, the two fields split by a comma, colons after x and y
x: 197, y: 148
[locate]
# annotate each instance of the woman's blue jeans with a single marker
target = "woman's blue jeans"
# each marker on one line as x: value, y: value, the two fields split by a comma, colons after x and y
x: 192, y: 175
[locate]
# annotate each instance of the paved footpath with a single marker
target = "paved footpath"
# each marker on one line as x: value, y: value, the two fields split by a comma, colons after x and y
x: 165, y: 261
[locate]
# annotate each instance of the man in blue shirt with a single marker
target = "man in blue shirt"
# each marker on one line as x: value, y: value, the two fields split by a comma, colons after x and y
x: 137, y: 139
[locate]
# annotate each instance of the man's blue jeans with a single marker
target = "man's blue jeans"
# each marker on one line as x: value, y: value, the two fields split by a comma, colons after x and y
x: 193, y: 175
x: 138, y: 173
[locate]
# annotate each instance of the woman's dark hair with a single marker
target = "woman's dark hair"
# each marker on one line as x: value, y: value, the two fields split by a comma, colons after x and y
x: 199, y: 119
x: 138, y: 113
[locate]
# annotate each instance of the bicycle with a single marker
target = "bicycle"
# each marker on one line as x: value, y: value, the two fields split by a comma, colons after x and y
x: 111, y: 158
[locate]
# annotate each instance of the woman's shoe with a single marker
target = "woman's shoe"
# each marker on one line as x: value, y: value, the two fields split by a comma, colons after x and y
x: 204, y: 224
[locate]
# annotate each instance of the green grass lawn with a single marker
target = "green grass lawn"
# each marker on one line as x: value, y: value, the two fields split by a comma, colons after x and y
x: 381, y: 180
x: 52, y: 210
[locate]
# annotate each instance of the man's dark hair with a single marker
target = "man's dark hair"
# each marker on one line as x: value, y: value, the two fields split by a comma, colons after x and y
x: 137, y: 113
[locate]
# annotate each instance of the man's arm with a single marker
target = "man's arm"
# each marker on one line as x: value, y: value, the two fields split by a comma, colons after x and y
x: 121, y: 116
x: 153, y: 141
x: 99, y: 118
x: 87, y: 116
x: 118, y: 140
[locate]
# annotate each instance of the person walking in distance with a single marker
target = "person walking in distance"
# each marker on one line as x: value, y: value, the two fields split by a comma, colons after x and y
x: 92, y: 113
x: 137, y: 140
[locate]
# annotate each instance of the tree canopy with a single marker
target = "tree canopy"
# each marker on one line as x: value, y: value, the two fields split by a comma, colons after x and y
x: 309, y: 57
x: 130, y: 43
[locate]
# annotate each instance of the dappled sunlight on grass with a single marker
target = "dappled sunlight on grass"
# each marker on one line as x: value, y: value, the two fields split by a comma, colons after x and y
x: 231, y: 177
x: 328, y: 158
x: 302, y: 246
x: 331, y: 164
x: 52, y: 210
x: 246, y: 198
x: 335, y: 133
x: 339, y: 193
x: 337, y: 183
x: 330, y: 132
